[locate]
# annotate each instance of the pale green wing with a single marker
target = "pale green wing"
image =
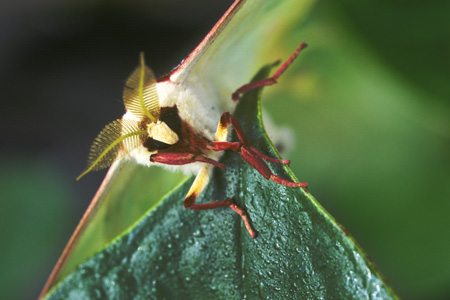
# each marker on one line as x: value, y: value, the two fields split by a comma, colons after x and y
x: 249, y: 37
x: 117, y: 139
x: 139, y: 95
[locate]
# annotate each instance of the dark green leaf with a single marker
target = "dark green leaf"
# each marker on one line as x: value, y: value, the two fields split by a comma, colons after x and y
x: 175, y: 253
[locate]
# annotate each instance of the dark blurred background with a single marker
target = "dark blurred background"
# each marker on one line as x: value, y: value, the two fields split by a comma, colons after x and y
x: 368, y: 102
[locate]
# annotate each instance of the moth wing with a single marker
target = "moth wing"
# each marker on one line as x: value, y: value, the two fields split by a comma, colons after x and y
x: 234, y: 49
x: 139, y: 94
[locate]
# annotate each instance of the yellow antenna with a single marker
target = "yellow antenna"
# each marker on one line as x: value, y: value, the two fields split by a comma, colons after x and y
x: 140, y: 96
x: 116, y: 139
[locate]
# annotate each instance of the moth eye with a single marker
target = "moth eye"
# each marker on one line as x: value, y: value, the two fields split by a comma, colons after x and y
x: 152, y: 144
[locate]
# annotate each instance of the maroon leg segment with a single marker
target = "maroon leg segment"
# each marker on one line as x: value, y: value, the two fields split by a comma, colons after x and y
x: 268, y: 81
x: 183, y: 159
x: 250, y: 154
x: 270, y: 159
x: 236, y: 146
x: 221, y: 146
x: 227, y: 119
x: 256, y: 162
x: 245, y: 218
x: 197, y: 187
x: 190, y: 203
x: 224, y: 203
x: 254, y: 159
x: 285, y: 182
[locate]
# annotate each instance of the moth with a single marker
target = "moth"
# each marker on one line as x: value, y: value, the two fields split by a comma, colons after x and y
x: 166, y: 124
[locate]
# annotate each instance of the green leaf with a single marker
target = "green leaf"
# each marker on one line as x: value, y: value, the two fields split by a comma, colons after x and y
x: 175, y: 253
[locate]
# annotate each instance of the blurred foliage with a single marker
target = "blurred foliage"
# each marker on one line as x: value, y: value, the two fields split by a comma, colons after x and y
x: 373, y: 139
x: 368, y: 104
x: 35, y: 198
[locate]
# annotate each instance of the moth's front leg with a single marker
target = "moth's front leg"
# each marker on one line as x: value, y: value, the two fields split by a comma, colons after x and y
x: 169, y: 158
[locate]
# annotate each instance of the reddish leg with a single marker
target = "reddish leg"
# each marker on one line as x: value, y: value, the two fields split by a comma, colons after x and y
x: 236, y: 146
x: 199, y: 185
x: 268, y: 81
x: 257, y: 162
x: 201, y: 181
x: 222, y: 129
x: 221, y: 146
x: 270, y: 159
x: 245, y: 218
x: 250, y: 154
x: 182, y: 159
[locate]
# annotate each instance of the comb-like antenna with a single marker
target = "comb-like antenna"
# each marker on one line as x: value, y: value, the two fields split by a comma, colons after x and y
x: 118, y: 138
x: 139, y: 95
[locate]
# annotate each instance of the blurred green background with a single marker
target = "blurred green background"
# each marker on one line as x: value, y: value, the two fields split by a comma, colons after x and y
x: 368, y: 103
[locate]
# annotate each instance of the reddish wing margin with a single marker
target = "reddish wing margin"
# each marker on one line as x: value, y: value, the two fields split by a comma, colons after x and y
x: 89, y: 213
x: 195, y: 55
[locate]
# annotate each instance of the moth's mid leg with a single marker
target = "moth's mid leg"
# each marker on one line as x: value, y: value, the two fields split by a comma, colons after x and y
x: 250, y: 154
x: 268, y: 81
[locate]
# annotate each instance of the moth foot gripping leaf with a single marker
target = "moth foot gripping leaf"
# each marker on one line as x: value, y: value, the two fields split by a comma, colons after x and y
x: 155, y: 131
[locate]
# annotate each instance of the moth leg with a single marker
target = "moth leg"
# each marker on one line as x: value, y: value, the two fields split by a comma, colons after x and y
x: 254, y: 159
x: 200, y: 183
x: 197, y: 188
x: 183, y: 159
x: 251, y: 155
x: 236, y: 146
x: 268, y: 81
